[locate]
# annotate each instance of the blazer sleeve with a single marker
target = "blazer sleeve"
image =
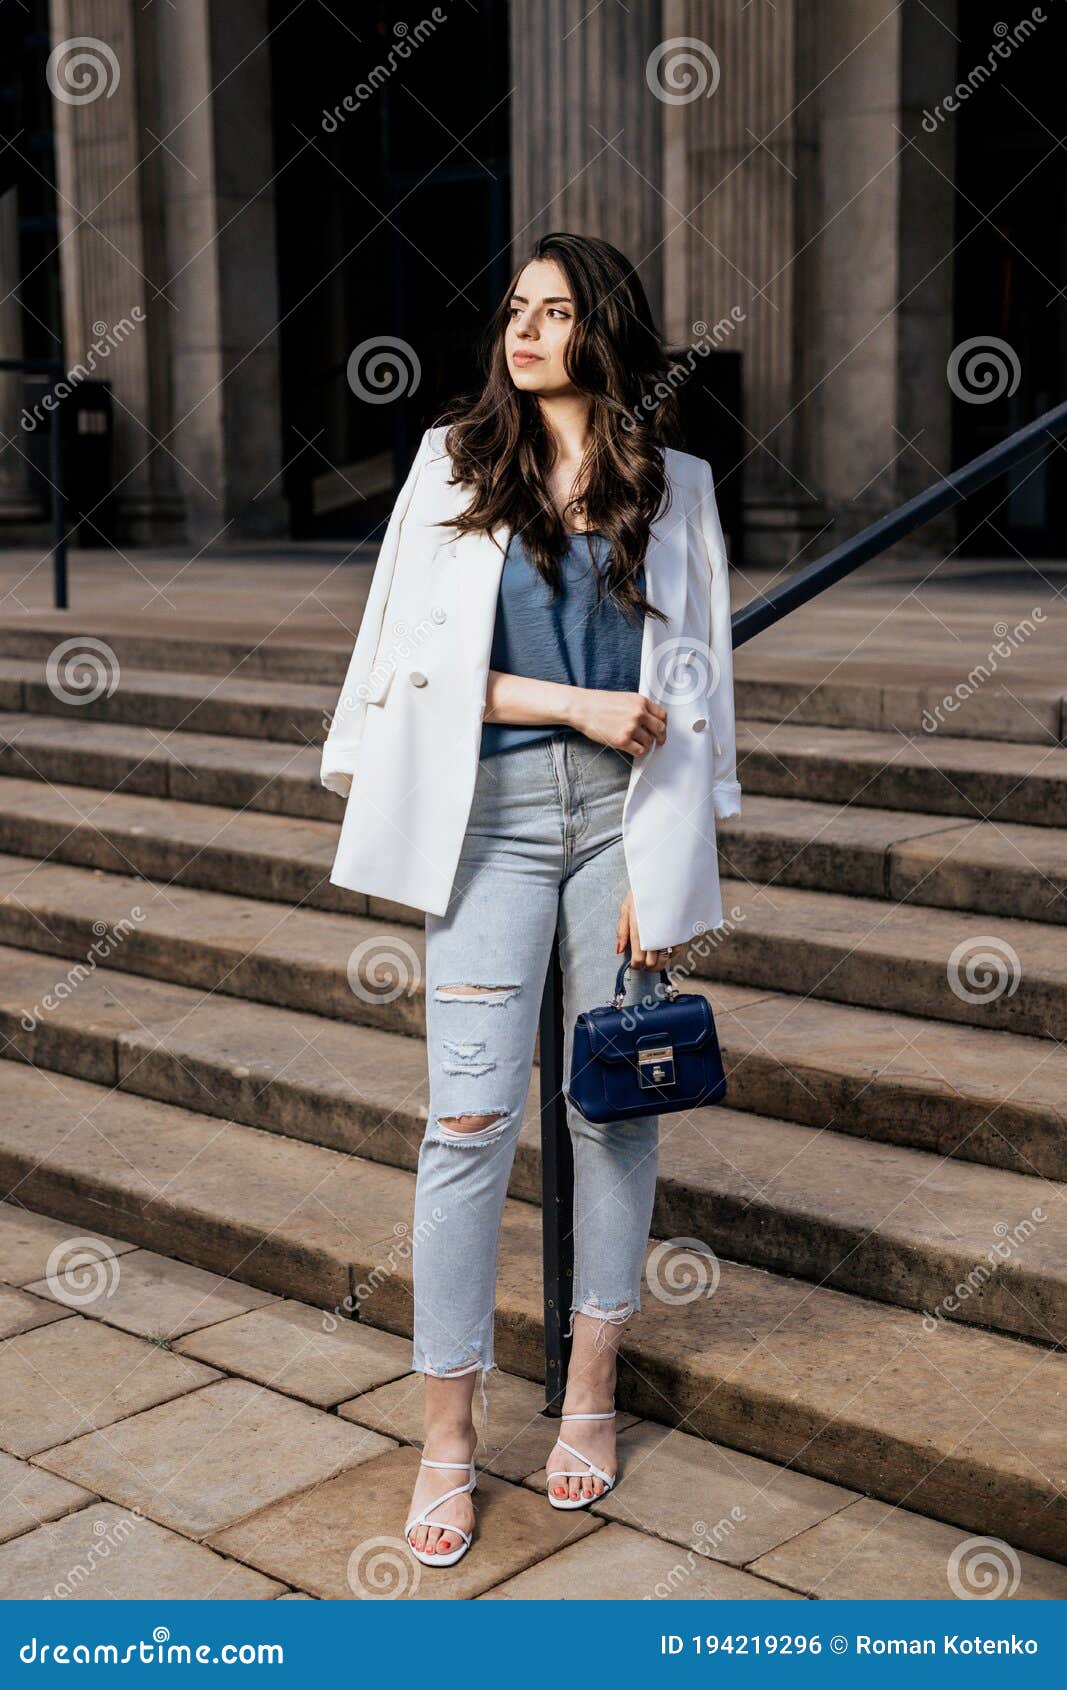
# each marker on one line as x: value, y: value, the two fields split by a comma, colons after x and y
x: 339, y: 752
x: 726, y: 789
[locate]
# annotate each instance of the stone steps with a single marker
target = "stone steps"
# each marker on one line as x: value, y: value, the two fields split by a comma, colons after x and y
x: 1002, y: 975
x: 267, y: 776
x: 976, y: 1092
x: 891, y: 1286
x: 819, y: 944
x: 257, y: 708
x: 991, y: 1098
x: 896, y: 1224
x: 1002, y: 782
x: 883, y: 695
x: 185, y: 652
x: 301, y: 959
x: 954, y: 1422
x: 1006, y: 781
x: 868, y: 691
x: 998, y: 869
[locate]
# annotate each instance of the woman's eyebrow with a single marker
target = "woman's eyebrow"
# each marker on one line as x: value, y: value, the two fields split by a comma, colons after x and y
x: 550, y: 299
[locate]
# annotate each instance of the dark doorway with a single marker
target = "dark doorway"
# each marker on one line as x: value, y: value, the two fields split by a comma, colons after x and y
x: 1011, y: 236
x: 393, y: 218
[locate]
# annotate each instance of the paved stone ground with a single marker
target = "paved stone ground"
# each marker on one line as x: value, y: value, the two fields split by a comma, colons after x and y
x: 166, y: 1432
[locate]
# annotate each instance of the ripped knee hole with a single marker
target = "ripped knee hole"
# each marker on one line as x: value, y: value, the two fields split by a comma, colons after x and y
x: 472, y: 1126
x: 459, y: 993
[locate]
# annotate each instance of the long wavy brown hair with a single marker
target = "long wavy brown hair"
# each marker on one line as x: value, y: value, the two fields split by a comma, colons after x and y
x: 501, y: 448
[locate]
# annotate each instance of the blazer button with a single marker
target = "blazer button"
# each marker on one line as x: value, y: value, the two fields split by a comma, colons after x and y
x: 437, y: 615
x: 417, y: 678
x: 700, y: 724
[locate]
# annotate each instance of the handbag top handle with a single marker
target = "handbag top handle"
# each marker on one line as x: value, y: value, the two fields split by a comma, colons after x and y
x: 620, y: 983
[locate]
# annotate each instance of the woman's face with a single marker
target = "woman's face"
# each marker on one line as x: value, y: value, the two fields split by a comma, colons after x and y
x: 542, y: 317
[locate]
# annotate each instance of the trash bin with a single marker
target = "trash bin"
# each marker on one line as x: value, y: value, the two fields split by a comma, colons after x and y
x: 85, y: 415
x: 710, y: 401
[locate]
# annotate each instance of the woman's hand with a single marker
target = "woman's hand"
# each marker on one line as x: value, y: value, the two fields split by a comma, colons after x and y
x: 627, y: 934
x: 627, y: 721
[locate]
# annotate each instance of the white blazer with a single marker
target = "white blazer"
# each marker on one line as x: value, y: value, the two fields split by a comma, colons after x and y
x: 405, y: 737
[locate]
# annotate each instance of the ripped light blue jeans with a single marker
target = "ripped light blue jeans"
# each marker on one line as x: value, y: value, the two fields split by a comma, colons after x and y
x: 543, y: 846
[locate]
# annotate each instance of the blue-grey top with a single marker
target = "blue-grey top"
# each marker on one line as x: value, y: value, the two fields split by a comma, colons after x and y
x: 578, y: 639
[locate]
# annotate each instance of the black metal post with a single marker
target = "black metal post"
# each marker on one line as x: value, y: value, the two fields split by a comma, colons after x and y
x: 814, y: 578
x: 59, y: 514
x: 52, y: 367
x: 557, y: 1168
x: 557, y: 1189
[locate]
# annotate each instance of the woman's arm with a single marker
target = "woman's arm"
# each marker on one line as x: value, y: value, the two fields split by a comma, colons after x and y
x: 625, y: 720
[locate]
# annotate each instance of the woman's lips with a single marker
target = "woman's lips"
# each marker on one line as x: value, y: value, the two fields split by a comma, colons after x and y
x: 525, y: 358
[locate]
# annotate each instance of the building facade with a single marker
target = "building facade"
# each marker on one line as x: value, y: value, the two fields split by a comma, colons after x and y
x: 279, y: 229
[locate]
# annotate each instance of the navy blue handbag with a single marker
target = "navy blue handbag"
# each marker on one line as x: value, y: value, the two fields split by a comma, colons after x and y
x: 649, y: 1058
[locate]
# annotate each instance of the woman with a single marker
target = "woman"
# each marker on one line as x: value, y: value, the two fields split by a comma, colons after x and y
x: 539, y: 718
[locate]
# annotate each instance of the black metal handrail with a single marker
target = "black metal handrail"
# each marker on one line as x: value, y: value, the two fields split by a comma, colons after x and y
x: 557, y: 1172
x: 57, y: 500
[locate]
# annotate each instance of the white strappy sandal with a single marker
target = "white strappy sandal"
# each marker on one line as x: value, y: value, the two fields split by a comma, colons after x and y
x: 427, y: 1557
x: 589, y: 1471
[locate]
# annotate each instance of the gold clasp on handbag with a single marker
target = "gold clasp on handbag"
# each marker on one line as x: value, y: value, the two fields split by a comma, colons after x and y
x: 656, y: 1067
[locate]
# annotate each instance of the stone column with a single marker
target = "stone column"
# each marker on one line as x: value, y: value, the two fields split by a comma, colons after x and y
x: 215, y: 106
x: 739, y: 166
x: 108, y: 203
x: 880, y: 257
x: 809, y: 211
x: 166, y: 206
x: 586, y: 130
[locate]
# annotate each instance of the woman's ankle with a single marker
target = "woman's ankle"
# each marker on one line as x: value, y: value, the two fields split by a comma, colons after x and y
x: 450, y: 1435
